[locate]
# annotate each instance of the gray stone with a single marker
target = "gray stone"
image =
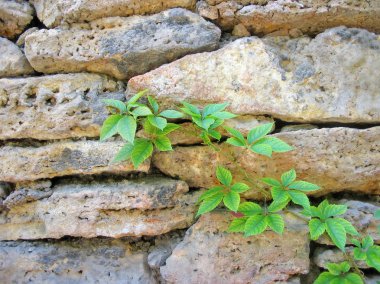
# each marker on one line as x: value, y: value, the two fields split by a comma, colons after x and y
x: 21, y: 39
x: 121, y: 47
x: 15, y: 15
x: 323, y: 256
x: 56, y: 106
x: 12, y: 60
x: 288, y: 128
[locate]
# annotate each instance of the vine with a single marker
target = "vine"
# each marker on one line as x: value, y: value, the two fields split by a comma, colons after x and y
x: 250, y: 217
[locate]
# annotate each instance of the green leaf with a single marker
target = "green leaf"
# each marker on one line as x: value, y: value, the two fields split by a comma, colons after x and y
x: 259, y: 132
x: 271, y: 181
x: 250, y: 208
x: 217, y: 123
x: 223, y: 115
x: 163, y: 143
x: 237, y: 225
x: 277, y: 145
x: 255, y: 225
x: 352, y: 278
x: 303, y: 186
x: 213, y: 108
x: 192, y: 108
x: 377, y: 214
x: 276, y: 223
x: 239, y: 187
x: 171, y: 114
x: 316, y: 228
x: 338, y: 268
x: 149, y: 128
x: 136, y: 97
x: 235, y: 133
x: 127, y: 128
x: 373, y: 257
x: 141, y: 151
x: 210, y: 203
x: 170, y: 127
x: 235, y: 142
x: 325, y: 278
x: 158, y: 122
x: 356, y: 243
x: 277, y: 206
x: 299, y: 198
x: 367, y: 242
x: 232, y: 200
x: 347, y: 226
x: 288, y: 177
x: 214, y: 134
x: 336, y: 232
x: 333, y: 210
x: 124, y: 153
x: 207, y: 122
x: 224, y: 175
x: 212, y: 191
x: 119, y: 105
x: 109, y: 127
x: 141, y: 111
x: 359, y: 254
x: 153, y: 103
x: 262, y: 149
x: 279, y: 195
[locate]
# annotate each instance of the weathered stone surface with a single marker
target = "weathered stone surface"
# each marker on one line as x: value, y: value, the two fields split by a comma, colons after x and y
x: 209, y: 254
x: 15, y: 15
x: 12, y: 61
x: 56, y: 106
x: 53, y: 13
x: 146, y: 207
x: 331, y: 78
x: 21, y: 39
x: 336, y: 159
x: 289, y: 17
x: 296, y: 127
x: 74, y: 261
x: 323, y: 256
x: 61, y: 159
x: 121, y: 47
x: 188, y: 134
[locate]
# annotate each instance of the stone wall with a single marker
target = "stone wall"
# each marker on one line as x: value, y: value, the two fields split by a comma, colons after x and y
x: 69, y: 215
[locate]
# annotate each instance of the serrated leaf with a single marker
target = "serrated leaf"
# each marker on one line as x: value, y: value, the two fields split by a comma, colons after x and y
x: 352, y: 278
x: 163, y: 143
x: 210, y: 192
x: 350, y: 229
x: 149, y: 128
x: 237, y: 225
x: 235, y: 133
x: 279, y: 195
x: 141, y: 111
x: 367, y: 242
x: 235, y: 142
x: 259, y: 132
x: 277, y: 145
x: 255, y: 225
x: 210, y: 203
x: 192, y: 108
x: 338, y: 268
x: 324, y: 278
x: 141, y: 151
x: 127, y: 128
x: 299, y: 198
x: 170, y: 127
x: 359, y: 254
x: 239, y: 187
x: 217, y: 123
x: 303, y: 186
x: 109, y: 127
x: 333, y: 210
x: 158, y: 122
x: 223, y: 115
x: 171, y: 114
x: 153, y: 103
x: 213, y: 108
x: 214, y: 134
x: 356, y: 243
x: 250, y: 208
x: 119, y: 105
x: 373, y: 257
x: 136, y: 97
x: 207, y: 122
x: 224, y: 175
x: 124, y: 153
x: 336, y: 232
x: 288, y: 177
x: 262, y: 149
x: 276, y: 223
x: 271, y: 181
x: 277, y: 206
x: 316, y: 228
x: 232, y: 200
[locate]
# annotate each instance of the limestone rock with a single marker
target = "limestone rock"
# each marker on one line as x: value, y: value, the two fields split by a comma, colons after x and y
x: 75, y: 261
x: 55, y: 12
x: 296, y: 127
x: 323, y: 256
x: 146, y: 207
x: 336, y: 159
x: 283, y: 17
x: 15, y: 15
x: 208, y: 254
x: 12, y: 61
x: 331, y: 78
x: 121, y: 47
x: 21, y: 39
x: 61, y: 159
x: 55, y: 106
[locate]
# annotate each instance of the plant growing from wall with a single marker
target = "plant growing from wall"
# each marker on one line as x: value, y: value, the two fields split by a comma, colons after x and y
x: 251, y: 218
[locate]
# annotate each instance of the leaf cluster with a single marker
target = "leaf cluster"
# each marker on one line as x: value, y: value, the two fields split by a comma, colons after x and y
x: 367, y: 251
x: 338, y: 273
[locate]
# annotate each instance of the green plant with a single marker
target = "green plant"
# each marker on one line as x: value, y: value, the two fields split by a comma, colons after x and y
x: 367, y: 251
x: 338, y: 273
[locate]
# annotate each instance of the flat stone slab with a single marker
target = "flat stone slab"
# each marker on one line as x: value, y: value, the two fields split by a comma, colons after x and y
x: 121, y: 47
x: 56, y: 106
x: 337, y: 159
x: 15, y: 15
x: 330, y: 78
x: 55, y: 12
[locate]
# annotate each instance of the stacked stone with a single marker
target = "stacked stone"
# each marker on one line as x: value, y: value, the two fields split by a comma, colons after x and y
x: 68, y: 214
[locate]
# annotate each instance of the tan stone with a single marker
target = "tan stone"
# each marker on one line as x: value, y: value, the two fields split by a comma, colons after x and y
x: 282, y: 17
x: 331, y: 78
x: 12, y: 60
x: 240, y: 31
x: 322, y: 256
x: 337, y: 159
x: 146, y: 207
x: 56, y: 106
x: 61, y: 159
x: 15, y: 15
x: 208, y: 254
x: 55, y: 12
x: 121, y: 47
